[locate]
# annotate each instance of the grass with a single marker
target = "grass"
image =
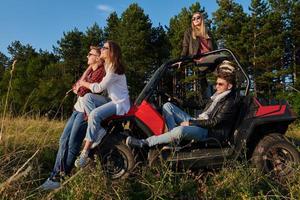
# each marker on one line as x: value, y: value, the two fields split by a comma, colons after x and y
x: 28, y: 151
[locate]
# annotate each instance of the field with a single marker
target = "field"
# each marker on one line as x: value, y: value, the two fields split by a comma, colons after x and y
x: 28, y: 149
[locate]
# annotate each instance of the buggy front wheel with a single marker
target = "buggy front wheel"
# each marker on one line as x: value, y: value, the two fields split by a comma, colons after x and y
x: 116, y: 158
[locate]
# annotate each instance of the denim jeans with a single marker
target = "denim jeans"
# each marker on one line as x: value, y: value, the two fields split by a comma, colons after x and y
x: 70, y: 143
x: 92, y: 101
x: 94, y: 129
x: 174, y: 116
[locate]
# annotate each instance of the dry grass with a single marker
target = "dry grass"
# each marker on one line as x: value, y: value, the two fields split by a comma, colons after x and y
x: 27, y: 156
x: 294, y: 131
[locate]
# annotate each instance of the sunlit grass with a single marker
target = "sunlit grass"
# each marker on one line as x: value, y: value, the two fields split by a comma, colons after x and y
x: 25, y: 136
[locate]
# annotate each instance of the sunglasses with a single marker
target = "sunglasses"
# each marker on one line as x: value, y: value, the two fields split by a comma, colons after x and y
x: 91, y: 54
x: 105, y: 48
x: 196, y: 18
x: 219, y: 84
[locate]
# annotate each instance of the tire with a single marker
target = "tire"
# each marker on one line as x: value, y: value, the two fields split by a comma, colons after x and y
x: 276, y: 156
x: 116, y: 158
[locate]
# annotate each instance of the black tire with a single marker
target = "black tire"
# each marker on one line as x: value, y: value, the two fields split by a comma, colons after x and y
x: 276, y: 156
x: 116, y: 158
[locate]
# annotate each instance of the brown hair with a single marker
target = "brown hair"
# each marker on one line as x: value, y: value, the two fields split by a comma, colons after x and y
x: 97, y: 49
x: 115, y: 57
x: 229, y: 77
x: 200, y: 31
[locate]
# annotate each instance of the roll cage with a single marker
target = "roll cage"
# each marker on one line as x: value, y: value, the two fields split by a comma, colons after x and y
x: 207, y: 63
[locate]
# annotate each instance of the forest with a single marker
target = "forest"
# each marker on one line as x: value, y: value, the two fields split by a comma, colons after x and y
x: 266, y: 40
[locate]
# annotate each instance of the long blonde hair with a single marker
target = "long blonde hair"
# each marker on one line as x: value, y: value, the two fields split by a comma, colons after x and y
x: 200, y: 31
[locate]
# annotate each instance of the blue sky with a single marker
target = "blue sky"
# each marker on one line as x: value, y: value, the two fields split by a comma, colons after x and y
x: 41, y: 23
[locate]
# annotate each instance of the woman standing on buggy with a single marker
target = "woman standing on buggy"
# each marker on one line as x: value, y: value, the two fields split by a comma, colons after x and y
x: 196, y: 40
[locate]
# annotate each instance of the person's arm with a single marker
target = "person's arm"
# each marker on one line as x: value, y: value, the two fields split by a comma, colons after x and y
x: 99, y: 87
x: 76, y: 85
x: 210, y: 46
x: 85, y: 73
x: 226, y: 113
x: 185, y: 43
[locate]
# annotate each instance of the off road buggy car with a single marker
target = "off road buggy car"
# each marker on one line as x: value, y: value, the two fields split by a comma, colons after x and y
x: 259, y: 128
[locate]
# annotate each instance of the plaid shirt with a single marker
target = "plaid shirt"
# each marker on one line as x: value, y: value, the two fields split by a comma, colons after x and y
x: 92, y: 77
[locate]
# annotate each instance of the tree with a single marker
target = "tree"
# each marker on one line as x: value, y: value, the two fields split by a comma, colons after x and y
x: 134, y: 38
x: 160, y: 46
x: 228, y: 23
x: 111, y: 31
x: 70, y: 51
x: 295, y: 41
x: 26, y: 76
x: 93, y: 36
x: 3, y: 64
x: 258, y: 35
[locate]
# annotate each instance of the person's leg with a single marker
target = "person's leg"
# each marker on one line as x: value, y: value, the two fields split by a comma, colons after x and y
x: 174, y: 115
x: 95, y: 132
x: 75, y: 141
x: 92, y: 101
x: 53, y: 181
x: 177, y: 134
x: 63, y: 142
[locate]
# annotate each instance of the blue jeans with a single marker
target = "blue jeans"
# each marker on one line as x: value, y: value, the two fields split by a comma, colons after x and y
x: 70, y: 143
x: 174, y: 116
x: 94, y: 129
x: 92, y: 101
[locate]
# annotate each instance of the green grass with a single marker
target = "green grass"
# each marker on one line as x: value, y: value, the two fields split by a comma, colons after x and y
x: 22, y: 137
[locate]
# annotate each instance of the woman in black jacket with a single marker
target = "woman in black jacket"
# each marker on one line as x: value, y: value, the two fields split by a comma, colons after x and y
x: 215, y: 121
x: 196, y: 39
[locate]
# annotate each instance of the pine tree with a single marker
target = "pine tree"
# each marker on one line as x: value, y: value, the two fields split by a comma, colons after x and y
x: 295, y: 41
x: 111, y: 31
x: 229, y: 21
x: 27, y: 76
x: 3, y: 64
x: 93, y: 36
x: 134, y: 38
x: 258, y: 33
x: 70, y: 49
x: 160, y: 46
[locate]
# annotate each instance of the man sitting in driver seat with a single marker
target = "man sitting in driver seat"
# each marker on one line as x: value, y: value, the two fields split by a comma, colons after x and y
x: 215, y: 121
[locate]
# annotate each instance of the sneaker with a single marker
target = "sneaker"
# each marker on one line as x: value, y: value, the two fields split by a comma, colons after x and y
x: 50, y: 184
x: 82, y: 160
x: 131, y: 141
x: 99, y: 137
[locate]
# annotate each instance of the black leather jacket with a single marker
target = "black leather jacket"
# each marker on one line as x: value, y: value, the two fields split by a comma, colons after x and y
x: 221, y: 119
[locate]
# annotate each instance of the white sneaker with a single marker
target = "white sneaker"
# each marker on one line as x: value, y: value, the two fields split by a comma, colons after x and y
x: 82, y: 160
x: 99, y: 137
x: 50, y: 185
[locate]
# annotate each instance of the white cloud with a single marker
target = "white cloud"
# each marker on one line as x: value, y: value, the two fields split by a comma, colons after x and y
x: 105, y: 8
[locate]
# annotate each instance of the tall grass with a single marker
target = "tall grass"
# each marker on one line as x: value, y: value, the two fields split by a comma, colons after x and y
x: 6, y: 99
x: 24, y: 136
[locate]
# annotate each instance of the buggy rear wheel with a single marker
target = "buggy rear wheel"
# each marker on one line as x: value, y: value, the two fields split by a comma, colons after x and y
x: 116, y: 158
x: 276, y: 156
